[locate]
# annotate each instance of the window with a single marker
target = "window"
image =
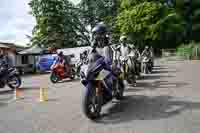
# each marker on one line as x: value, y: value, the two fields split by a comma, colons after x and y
x: 25, y: 59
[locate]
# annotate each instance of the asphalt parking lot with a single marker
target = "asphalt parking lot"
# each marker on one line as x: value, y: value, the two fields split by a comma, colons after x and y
x: 167, y: 101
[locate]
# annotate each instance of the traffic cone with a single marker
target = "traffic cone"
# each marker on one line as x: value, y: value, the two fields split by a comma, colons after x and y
x: 17, y: 94
x: 43, y: 94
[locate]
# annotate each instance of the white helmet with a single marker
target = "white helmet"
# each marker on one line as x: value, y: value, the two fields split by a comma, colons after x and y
x: 123, y: 38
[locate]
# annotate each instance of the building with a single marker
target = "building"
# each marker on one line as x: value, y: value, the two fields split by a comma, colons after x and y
x: 24, y: 63
x: 11, y: 50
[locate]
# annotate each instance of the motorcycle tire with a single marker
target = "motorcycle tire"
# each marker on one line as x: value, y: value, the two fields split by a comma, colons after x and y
x: 54, y: 78
x: 120, y: 90
x: 145, y: 68
x: 17, y: 85
x: 90, y: 101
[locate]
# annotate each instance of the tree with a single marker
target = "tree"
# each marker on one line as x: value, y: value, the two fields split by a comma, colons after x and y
x: 57, y: 23
x: 149, y: 22
x: 93, y: 11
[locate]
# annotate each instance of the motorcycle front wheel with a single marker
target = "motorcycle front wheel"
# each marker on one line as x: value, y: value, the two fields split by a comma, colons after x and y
x: 91, y: 104
x: 54, y: 77
x: 14, y: 82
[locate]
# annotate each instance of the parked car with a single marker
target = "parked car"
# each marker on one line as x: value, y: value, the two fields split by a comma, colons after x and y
x: 45, y: 62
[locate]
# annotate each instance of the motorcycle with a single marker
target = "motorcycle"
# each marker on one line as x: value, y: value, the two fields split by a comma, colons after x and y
x: 10, y: 77
x: 146, y: 65
x: 127, y: 65
x: 98, y: 83
x: 59, y: 73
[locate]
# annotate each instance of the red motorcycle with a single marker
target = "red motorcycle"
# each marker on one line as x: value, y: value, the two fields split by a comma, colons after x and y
x: 60, y: 72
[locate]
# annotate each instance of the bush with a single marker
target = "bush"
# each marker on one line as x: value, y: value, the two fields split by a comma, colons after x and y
x: 190, y: 51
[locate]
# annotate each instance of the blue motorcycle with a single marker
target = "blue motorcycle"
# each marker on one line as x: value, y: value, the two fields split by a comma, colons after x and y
x: 98, y: 84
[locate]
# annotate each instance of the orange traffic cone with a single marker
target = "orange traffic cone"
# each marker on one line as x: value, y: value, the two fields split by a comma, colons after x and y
x: 17, y: 94
x: 43, y: 94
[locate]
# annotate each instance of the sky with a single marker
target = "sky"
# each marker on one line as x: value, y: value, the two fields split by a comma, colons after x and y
x: 15, y: 21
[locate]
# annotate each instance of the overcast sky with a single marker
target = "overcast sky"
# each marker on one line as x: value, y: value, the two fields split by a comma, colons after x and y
x: 15, y: 21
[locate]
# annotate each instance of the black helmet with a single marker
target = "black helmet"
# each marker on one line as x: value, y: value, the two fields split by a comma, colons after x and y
x: 100, y: 28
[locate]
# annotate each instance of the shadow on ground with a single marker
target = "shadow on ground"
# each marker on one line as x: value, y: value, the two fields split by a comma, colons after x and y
x: 67, y: 81
x: 6, y: 92
x: 29, y: 88
x: 140, y: 107
x: 163, y: 71
x: 145, y: 108
x: 154, y: 77
x: 160, y: 67
x: 141, y: 86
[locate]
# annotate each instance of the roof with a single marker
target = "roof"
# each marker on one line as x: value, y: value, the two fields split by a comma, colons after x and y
x: 3, y: 46
x: 11, y: 45
x: 34, y: 50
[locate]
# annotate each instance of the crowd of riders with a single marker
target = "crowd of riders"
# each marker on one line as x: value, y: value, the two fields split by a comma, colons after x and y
x: 116, y: 53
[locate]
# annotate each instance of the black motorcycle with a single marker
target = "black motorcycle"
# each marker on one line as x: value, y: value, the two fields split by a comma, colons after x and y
x: 9, y: 77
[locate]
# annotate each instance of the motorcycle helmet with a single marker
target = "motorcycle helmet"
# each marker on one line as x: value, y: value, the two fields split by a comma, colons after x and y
x: 123, y: 39
x: 99, y: 33
x: 146, y: 47
x: 99, y: 29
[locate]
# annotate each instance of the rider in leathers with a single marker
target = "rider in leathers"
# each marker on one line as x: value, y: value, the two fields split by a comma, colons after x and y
x: 101, y: 46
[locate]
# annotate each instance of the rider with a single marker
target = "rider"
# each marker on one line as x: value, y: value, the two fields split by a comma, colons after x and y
x: 3, y: 60
x: 124, y: 47
x: 60, y: 60
x: 101, y: 46
x: 136, y: 57
x: 135, y: 51
x: 125, y: 51
x: 146, y: 52
x: 3, y: 63
x: 152, y: 56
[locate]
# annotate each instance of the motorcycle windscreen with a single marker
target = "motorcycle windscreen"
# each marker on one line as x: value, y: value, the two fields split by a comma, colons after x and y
x: 94, y: 68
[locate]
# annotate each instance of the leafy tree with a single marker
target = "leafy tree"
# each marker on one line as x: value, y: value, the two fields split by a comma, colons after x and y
x: 150, y: 22
x: 57, y: 23
x: 93, y: 11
